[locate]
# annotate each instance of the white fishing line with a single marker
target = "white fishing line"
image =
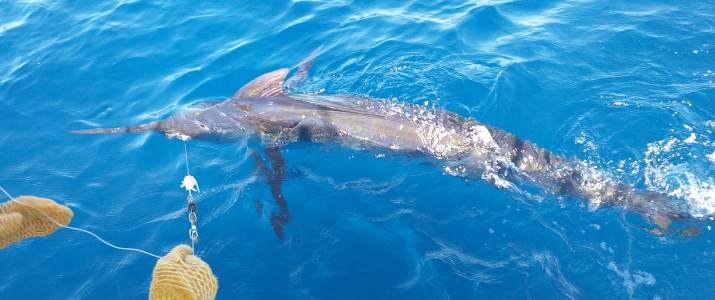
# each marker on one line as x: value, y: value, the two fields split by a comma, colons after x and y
x: 80, y: 229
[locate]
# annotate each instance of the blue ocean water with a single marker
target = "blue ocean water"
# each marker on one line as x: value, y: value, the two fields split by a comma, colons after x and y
x: 627, y: 87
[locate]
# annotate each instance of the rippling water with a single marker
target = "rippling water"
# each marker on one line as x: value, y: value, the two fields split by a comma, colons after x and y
x: 629, y: 88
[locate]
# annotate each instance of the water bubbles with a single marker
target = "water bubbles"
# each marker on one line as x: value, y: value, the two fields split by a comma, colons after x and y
x: 455, y: 170
x: 631, y: 281
x: 398, y: 68
x: 605, y: 247
x: 589, y: 146
x: 690, y: 139
x: 619, y: 103
x: 580, y: 139
x: 671, y: 168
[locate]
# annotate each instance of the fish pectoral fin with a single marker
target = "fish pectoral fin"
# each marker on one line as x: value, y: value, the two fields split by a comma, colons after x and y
x: 266, y: 85
x: 278, y: 223
x: 277, y: 163
x: 274, y: 175
x: 662, y: 220
x: 261, y: 169
x: 279, y: 219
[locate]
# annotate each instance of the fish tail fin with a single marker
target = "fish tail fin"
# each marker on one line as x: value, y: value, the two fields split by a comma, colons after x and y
x: 657, y: 208
x: 139, y: 128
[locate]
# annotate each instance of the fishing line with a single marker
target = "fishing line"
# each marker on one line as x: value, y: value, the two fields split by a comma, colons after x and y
x: 190, y: 184
x: 186, y: 158
x: 80, y: 229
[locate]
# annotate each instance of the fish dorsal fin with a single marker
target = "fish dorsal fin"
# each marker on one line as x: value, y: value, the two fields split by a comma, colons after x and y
x: 266, y: 85
x: 302, y: 70
x: 202, y: 105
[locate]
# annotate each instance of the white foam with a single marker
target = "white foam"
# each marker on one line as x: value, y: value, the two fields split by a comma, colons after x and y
x: 691, y: 138
x: 668, y: 169
x: 631, y: 281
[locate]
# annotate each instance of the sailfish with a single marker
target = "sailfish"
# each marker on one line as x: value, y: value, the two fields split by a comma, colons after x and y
x: 265, y: 108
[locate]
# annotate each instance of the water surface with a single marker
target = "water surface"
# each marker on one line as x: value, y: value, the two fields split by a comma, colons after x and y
x: 628, y: 88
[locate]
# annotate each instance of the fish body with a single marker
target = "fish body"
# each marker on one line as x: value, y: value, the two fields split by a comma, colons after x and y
x: 462, y: 146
